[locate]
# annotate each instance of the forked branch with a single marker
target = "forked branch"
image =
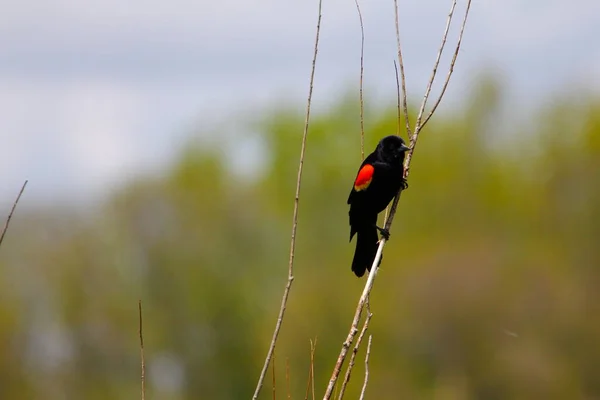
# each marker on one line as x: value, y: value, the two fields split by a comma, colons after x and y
x: 354, y: 352
x: 290, y: 279
x: 437, y: 63
x: 413, y: 141
x: 450, y: 70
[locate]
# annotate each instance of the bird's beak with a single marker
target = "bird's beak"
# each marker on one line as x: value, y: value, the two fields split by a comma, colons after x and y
x: 405, y: 148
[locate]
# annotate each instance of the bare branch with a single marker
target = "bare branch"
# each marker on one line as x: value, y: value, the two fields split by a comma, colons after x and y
x: 355, y: 351
x: 309, y: 381
x: 436, y: 64
x: 387, y: 209
x: 401, y: 64
x: 313, y: 347
x: 364, y: 388
x: 143, y: 362
x: 357, y: 314
x: 398, y: 101
x: 369, y: 285
x: 366, y: 291
x: 311, y: 371
x: 375, y: 266
x: 273, y: 383
x: 451, y: 69
x: 287, y: 377
x: 290, y: 279
x: 362, y: 104
x: 12, y: 212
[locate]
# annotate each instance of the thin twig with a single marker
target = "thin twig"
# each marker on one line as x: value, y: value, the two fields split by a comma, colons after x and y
x: 12, y: 210
x: 451, y: 69
x: 313, y: 347
x: 364, y: 388
x: 398, y: 123
x: 375, y: 266
x: 401, y: 63
x: 357, y: 314
x: 143, y: 362
x: 355, y: 351
x: 273, y: 369
x: 290, y: 279
x: 287, y: 377
x: 311, y: 371
x: 398, y: 100
x: 308, y: 382
x: 436, y: 64
x: 362, y: 104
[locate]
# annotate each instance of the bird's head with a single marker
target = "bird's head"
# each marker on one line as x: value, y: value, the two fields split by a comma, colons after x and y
x: 392, y: 149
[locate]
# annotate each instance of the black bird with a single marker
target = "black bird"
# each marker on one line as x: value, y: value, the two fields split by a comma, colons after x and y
x: 379, y: 178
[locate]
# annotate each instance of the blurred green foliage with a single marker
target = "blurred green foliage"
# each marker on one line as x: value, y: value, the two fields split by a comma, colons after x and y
x: 488, y: 288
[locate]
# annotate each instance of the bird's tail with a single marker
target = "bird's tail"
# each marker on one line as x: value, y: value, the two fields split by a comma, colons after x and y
x: 366, y: 249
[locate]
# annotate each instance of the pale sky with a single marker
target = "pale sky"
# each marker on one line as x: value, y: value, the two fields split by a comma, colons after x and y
x: 95, y: 92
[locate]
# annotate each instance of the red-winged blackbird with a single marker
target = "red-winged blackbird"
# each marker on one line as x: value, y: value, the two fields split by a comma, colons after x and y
x: 380, y: 177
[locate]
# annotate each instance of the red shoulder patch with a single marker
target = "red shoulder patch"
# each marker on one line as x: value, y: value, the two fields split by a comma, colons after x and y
x: 364, y: 178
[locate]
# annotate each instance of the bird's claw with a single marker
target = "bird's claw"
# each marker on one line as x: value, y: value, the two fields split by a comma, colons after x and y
x: 384, y: 233
x: 404, y: 184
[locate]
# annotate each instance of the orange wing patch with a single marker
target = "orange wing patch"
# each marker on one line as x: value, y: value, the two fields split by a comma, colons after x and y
x: 364, y: 178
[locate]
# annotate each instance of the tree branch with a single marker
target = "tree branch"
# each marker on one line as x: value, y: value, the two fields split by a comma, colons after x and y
x: 451, y: 69
x: 436, y: 64
x: 313, y: 348
x: 290, y: 279
x: 413, y: 142
x: 364, y: 388
x: 273, y: 377
x: 362, y: 104
x: 143, y: 362
x: 311, y: 371
x: 12, y: 212
x: 355, y: 351
x: 357, y: 314
x: 287, y: 377
x: 401, y: 63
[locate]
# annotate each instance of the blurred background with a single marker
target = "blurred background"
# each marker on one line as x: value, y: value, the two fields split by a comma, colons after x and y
x: 161, y: 143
